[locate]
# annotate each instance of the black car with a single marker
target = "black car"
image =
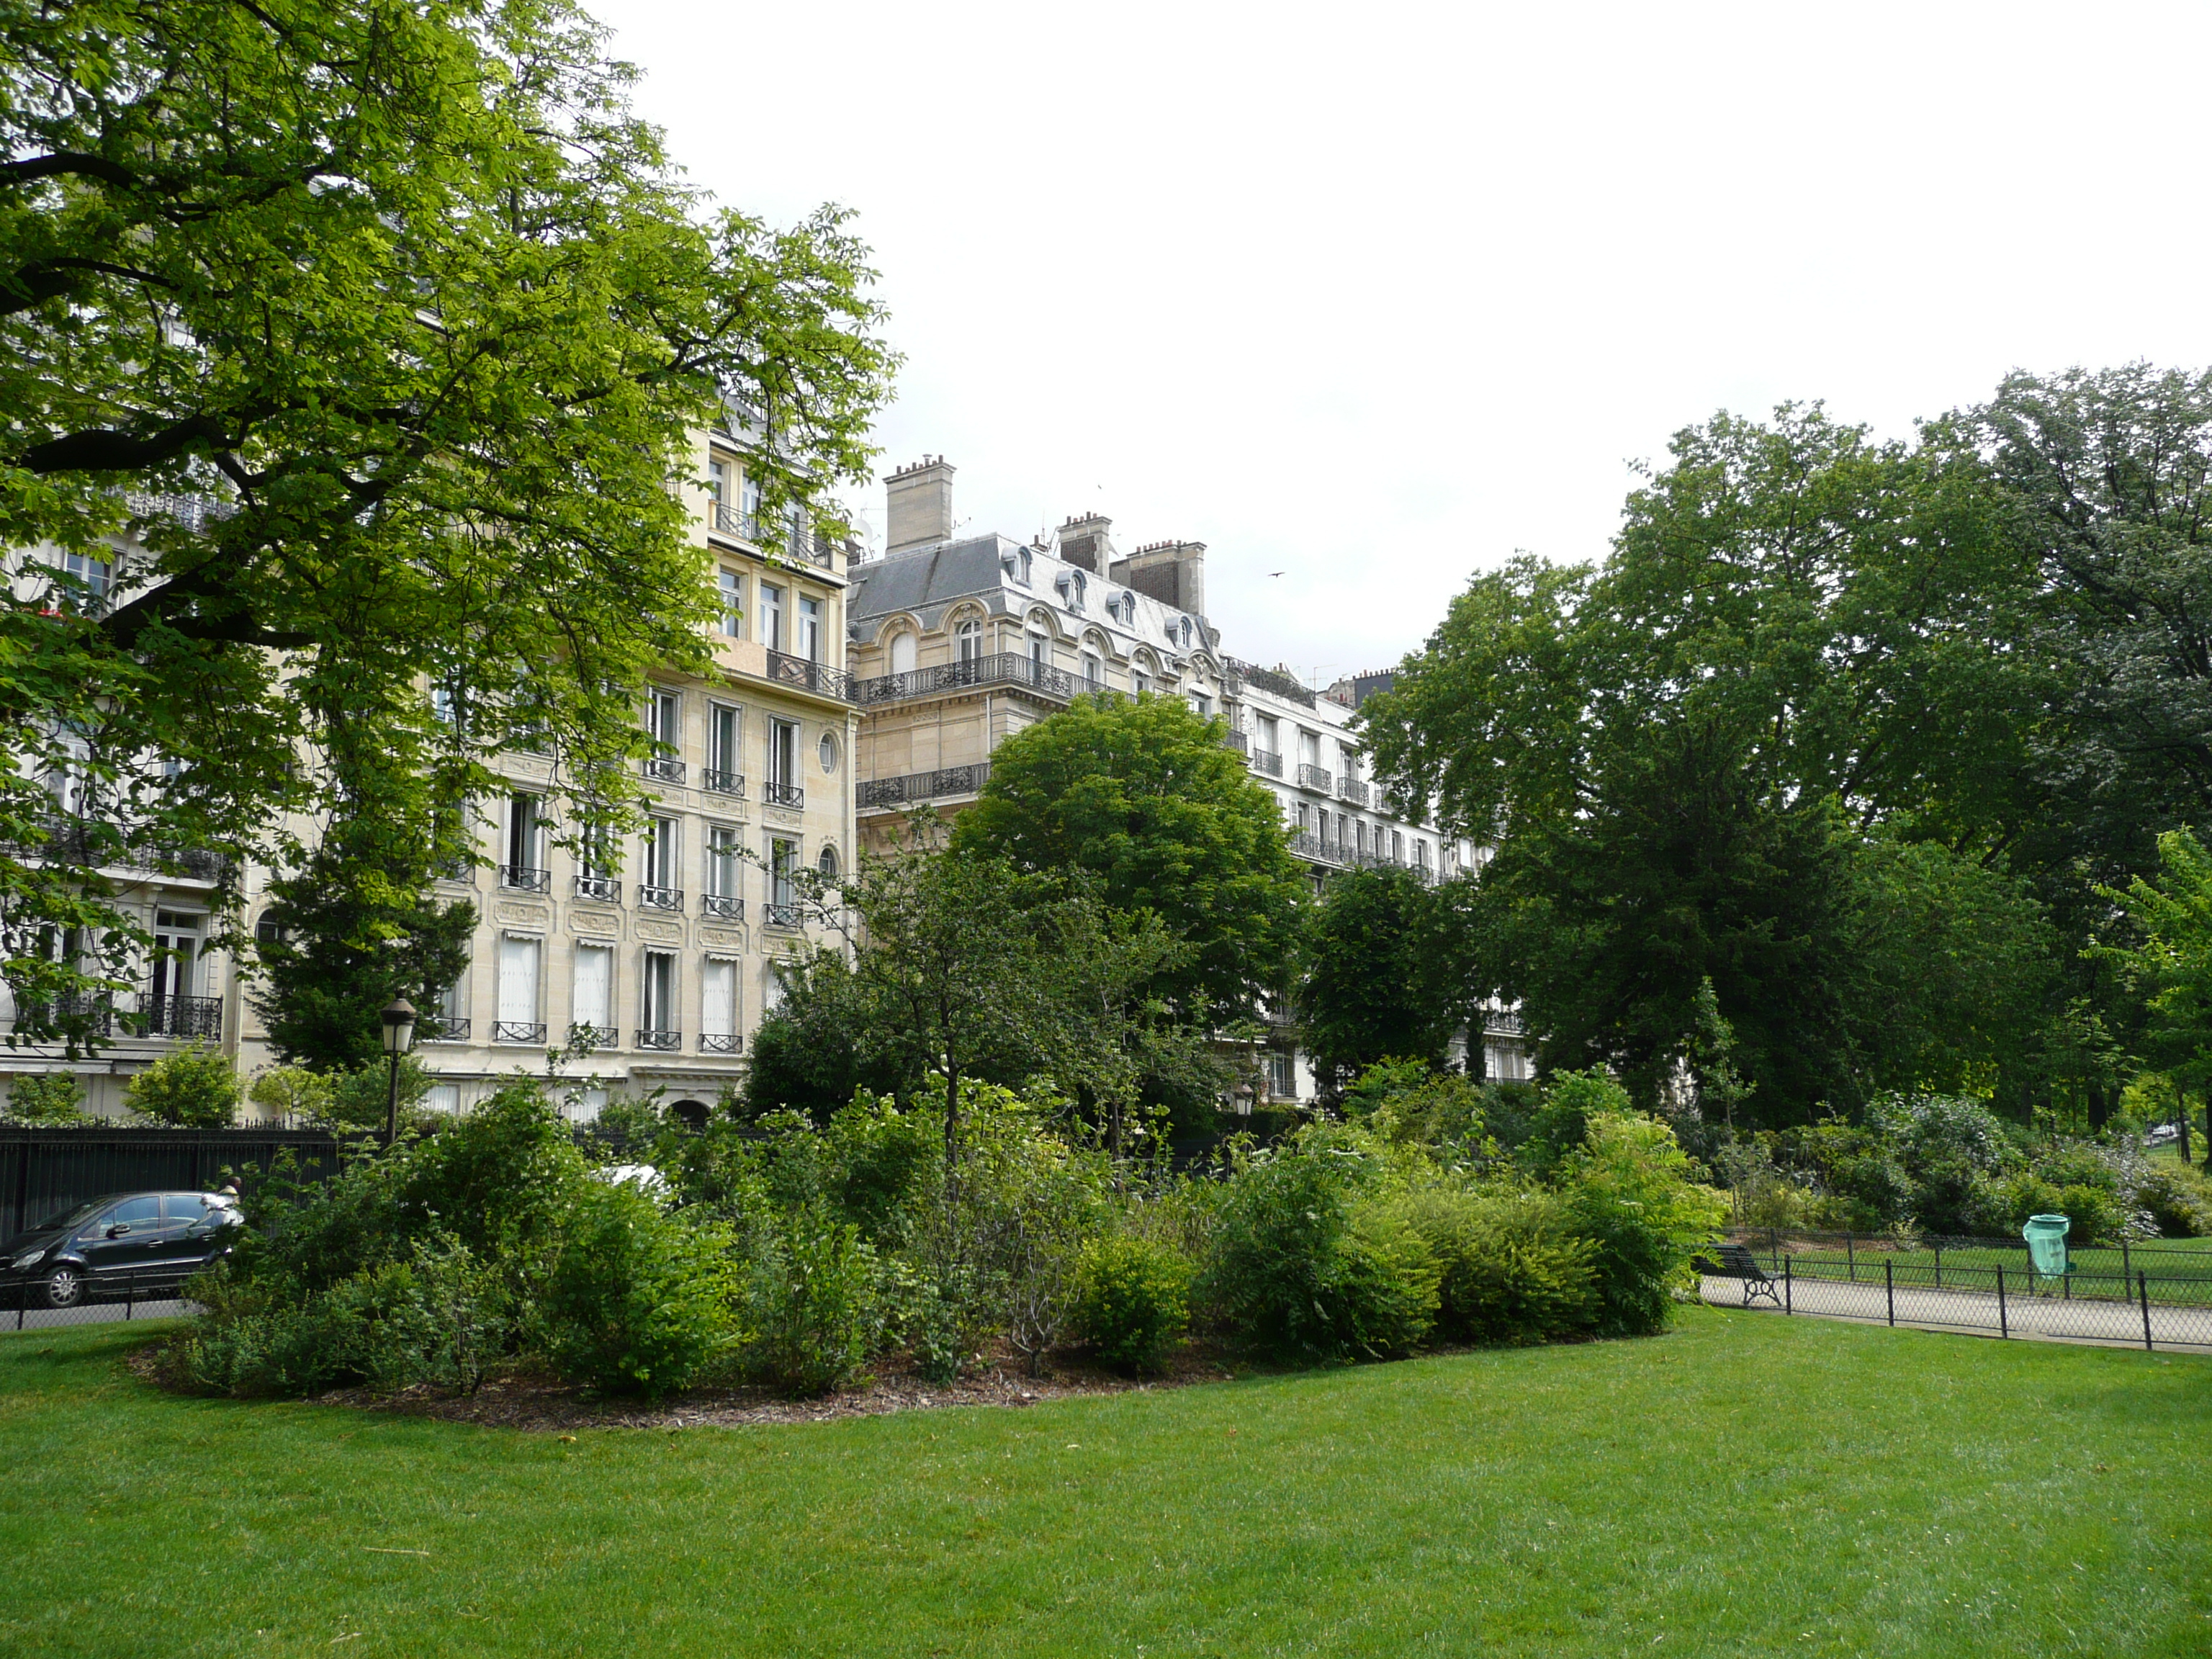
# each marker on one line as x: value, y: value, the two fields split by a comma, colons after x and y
x: 148, y: 1241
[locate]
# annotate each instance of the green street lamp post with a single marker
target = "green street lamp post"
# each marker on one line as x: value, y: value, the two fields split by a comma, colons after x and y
x: 398, y: 1034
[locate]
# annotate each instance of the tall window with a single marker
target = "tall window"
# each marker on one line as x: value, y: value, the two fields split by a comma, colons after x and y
x: 717, y: 1006
x: 782, y: 869
x: 664, y: 718
x: 783, y: 788
x: 733, y: 604
x: 518, y: 961
x: 659, y: 1019
x: 810, y: 628
x: 726, y: 766
x: 525, y: 843
x: 1094, y: 671
x: 722, y: 861
x: 593, y: 1002
x: 176, y: 950
x: 1271, y: 735
x: 595, y: 863
x: 1202, y: 705
x: 969, y: 638
x: 1039, y: 650
x: 903, y: 649
x: 1309, y: 748
x: 658, y: 876
x: 749, y: 497
x: 717, y: 481
x: 771, y: 615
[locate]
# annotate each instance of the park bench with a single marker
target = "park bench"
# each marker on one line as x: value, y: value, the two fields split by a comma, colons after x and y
x: 1736, y: 1262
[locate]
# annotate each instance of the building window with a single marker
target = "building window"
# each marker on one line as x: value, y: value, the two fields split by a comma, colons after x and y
x: 1094, y: 671
x: 783, y: 788
x: 726, y: 766
x: 722, y: 862
x: 827, y: 750
x: 1202, y: 704
x: 968, y: 638
x: 1071, y: 589
x: 827, y: 863
x: 718, y: 1005
x: 903, y: 650
x: 525, y: 844
x: 592, y: 1002
x: 1185, y: 633
x: 733, y: 604
x: 771, y: 615
x: 657, y: 877
x: 657, y: 1020
x: 176, y: 949
x: 771, y: 986
x: 1039, y: 650
x: 1140, y: 682
x: 810, y: 628
x: 664, y: 719
x: 519, y: 960
x: 717, y: 481
x: 749, y: 497
x: 88, y: 584
x: 782, y: 872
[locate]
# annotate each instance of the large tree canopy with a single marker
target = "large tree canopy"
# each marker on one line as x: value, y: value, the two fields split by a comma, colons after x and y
x: 1142, y: 793
x: 384, y: 327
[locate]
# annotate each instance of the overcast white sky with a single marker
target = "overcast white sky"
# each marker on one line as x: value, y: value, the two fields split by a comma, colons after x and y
x: 1375, y: 296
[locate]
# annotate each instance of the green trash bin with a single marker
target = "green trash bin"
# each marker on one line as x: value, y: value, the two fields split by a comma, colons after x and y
x: 2046, y: 1244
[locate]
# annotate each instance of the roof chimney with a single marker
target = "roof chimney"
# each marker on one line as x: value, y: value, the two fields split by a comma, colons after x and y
x: 1174, y: 572
x: 920, y: 505
x: 1084, y: 541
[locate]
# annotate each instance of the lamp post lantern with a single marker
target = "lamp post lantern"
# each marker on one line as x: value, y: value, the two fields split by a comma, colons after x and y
x: 398, y: 1034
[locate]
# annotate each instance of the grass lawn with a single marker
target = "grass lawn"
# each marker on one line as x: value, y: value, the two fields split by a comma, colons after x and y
x: 1747, y: 1485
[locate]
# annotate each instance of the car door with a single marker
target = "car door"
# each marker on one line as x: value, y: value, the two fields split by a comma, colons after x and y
x: 193, y: 1224
x: 121, y: 1240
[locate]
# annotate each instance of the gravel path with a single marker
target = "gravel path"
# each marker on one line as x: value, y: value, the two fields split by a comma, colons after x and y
x: 2039, y: 1318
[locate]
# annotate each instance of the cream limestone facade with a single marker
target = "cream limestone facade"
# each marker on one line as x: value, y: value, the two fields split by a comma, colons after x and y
x: 665, y: 947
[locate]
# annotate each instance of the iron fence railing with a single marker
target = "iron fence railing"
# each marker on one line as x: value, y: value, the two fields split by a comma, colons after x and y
x: 1000, y: 668
x: 727, y: 906
x: 718, y: 781
x: 526, y: 879
x: 1267, y: 762
x: 819, y: 678
x: 717, y: 1043
x: 1241, y: 742
x: 792, y: 795
x: 127, y: 1295
x: 783, y: 915
x: 437, y: 1028
x: 660, y: 898
x: 604, y: 888
x: 660, y: 1042
x: 1313, y: 777
x: 879, y: 792
x: 518, y: 1031
x: 1352, y: 790
x: 140, y: 1013
x: 663, y: 768
x: 2141, y: 1293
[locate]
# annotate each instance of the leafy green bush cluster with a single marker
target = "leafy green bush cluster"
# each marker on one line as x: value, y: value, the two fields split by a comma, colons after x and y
x: 796, y: 1253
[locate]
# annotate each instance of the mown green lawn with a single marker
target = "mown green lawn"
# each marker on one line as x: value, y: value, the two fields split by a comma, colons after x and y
x: 1747, y: 1485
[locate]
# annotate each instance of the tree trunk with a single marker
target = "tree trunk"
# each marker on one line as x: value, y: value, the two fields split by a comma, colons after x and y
x: 2181, y: 1116
x: 2100, y: 1111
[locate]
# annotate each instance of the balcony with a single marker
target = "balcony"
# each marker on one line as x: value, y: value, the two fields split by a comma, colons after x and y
x: 886, y: 794
x: 665, y: 1042
x: 139, y: 1013
x: 660, y: 768
x: 1351, y: 789
x: 717, y: 1043
x: 783, y: 915
x: 1314, y: 777
x: 523, y: 879
x: 1008, y: 668
x: 518, y: 1031
x: 818, y: 678
x: 660, y: 898
x: 1504, y: 1022
x: 792, y: 795
x: 733, y: 521
x: 727, y: 906
x: 605, y: 888
x: 1269, y: 764
x: 716, y: 782
x: 1307, y: 845
x: 1237, y: 741
x: 1270, y: 680
x: 95, y: 844
x: 437, y: 1028
x: 599, y: 1037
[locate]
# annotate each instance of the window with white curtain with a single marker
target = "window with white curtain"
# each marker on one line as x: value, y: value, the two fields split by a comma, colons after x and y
x: 718, y: 999
x: 595, y: 982
x: 904, y: 646
x: 519, y: 961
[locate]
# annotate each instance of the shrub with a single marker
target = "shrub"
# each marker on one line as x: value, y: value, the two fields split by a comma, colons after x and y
x: 1132, y: 1300
x: 2177, y: 1199
x: 637, y: 1301
x: 194, y: 1087
x: 1567, y: 1103
x: 812, y: 1301
x: 1293, y: 1271
x: 1509, y: 1270
x: 51, y: 1099
x: 1627, y: 1189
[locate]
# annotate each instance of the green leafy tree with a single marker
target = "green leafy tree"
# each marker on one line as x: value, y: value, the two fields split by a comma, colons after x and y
x: 378, y: 333
x: 1143, y: 794
x: 2172, y: 964
x: 192, y: 1087
x: 1383, y: 974
x: 46, y: 1098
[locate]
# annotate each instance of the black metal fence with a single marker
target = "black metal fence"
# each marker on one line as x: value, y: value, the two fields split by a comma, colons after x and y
x: 126, y: 1297
x: 2152, y: 1294
x: 44, y: 1172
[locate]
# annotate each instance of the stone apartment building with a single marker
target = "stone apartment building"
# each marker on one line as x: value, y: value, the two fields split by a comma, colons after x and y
x: 666, y: 947
x: 959, y: 642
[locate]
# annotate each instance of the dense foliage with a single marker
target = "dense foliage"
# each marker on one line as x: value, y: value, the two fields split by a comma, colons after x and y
x: 383, y: 328
x: 794, y: 1253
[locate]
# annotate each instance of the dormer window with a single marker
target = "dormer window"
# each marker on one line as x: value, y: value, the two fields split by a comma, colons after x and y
x: 1071, y: 590
x: 1185, y: 633
x: 1016, y: 564
x: 1123, y: 608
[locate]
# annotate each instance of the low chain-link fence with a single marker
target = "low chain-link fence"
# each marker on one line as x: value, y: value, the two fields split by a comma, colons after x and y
x: 26, y: 1307
x: 2150, y: 1294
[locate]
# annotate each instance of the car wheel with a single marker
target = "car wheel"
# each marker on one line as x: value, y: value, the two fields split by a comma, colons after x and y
x: 65, y: 1286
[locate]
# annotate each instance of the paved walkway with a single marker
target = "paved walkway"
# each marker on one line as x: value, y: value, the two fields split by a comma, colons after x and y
x: 2038, y: 1318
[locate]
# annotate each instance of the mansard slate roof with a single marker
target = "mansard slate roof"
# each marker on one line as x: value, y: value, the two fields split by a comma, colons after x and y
x: 927, y: 583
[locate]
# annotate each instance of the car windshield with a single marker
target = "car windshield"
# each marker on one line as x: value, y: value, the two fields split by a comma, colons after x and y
x: 71, y: 1218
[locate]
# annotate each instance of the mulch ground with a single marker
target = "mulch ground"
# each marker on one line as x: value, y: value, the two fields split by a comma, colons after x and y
x: 521, y: 1399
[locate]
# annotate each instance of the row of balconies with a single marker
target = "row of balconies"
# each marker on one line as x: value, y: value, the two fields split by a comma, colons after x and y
x: 608, y: 890
x: 142, y: 1014
x: 716, y: 780
x: 1307, y: 845
x: 532, y: 1034
x: 765, y: 533
x: 1317, y: 778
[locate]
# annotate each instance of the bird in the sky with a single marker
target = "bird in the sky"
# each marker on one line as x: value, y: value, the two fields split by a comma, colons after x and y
x: 1274, y: 573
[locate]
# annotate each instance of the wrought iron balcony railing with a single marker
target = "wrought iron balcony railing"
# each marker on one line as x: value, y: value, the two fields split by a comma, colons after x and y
x: 605, y: 888
x: 1237, y: 740
x: 717, y: 781
x: 880, y: 793
x: 1000, y: 668
x: 1313, y: 777
x: 732, y: 521
x: 818, y: 678
x: 1504, y: 1022
x: 523, y: 879
x: 783, y: 915
x: 518, y: 1031
x: 437, y: 1028
x: 728, y: 906
x: 600, y: 1037
x: 784, y: 795
x: 142, y: 1013
x: 1269, y: 764
x: 660, y: 898
x: 661, y: 1041
x: 1351, y: 789
x: 717, y: 1043
x: 1307, y: 845
x: 663, y: 768
x: 179, y: 1017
